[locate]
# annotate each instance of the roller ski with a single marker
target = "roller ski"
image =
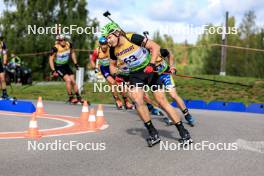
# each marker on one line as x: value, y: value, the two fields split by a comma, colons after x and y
x: 153, y: 139
x: 190, y: 120
x: 5, y: 96
x: 185, y: 138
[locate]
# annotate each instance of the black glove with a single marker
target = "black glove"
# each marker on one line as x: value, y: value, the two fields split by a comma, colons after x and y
x: 76, y: 66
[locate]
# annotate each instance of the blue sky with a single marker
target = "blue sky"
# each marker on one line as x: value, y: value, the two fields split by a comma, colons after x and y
x: 169, y: 16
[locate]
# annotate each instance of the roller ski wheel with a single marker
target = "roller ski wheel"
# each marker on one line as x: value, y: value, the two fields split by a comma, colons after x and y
x: 168, y: 121
x: 153, y: 139
x: 190, y: 120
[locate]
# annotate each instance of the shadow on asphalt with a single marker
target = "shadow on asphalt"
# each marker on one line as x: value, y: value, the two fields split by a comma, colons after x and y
x: 143, y: 133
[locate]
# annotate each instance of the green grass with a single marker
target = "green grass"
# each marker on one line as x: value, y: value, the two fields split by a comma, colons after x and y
x: 186, y: 88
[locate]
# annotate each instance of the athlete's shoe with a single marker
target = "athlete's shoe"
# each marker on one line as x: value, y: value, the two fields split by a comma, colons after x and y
x: 157, y: 112
x: 189, y: 118
x: 153, y: 138
x: 80, y: 100
x: 5, y: 97
x: 128, y: 105
x: 185, y: 137
x: 168, y: 121
x: 150, y: 107
x: 153, y: 110
x: 119, y: 103
x: 72, y: 100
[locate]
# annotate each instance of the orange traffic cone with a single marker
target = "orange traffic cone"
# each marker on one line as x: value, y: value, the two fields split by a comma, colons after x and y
x: 85, y: 112
x: 33, y: 131
x: 92, y: 120
x: 100, y: 120
x: 40, y: 107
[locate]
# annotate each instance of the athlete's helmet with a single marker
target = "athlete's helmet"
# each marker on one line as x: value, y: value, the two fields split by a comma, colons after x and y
x: 60, y: 37
x: 109, y: 29
x: 103, y: 40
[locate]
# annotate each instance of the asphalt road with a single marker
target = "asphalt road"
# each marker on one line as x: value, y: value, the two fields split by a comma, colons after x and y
x: 121, y: 149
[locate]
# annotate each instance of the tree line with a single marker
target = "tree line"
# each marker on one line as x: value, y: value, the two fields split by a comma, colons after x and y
x: 204, y: 57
